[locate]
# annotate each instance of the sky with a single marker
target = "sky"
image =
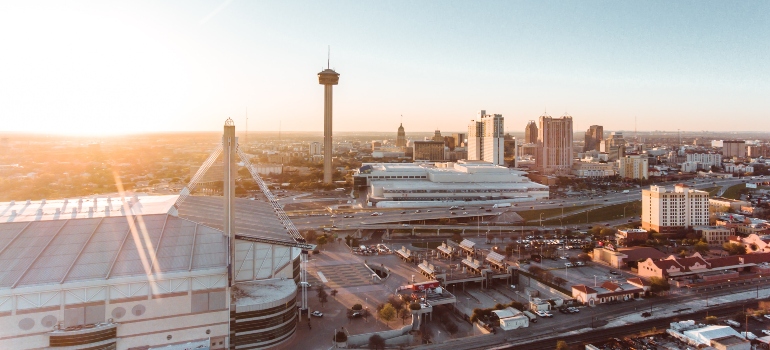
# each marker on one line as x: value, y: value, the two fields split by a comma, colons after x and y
x: 80, y: 67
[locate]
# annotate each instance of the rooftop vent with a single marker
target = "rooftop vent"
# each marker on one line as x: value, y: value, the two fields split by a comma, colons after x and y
x: 42, y: 201
x: 107, y: 210
x: 13, y: 202
x: 28, y: 201
x: 91, y: 211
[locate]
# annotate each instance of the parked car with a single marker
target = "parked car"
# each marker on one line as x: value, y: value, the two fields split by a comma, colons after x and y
x: 568, y: 264
x: 317, y: 314
x: 613, y: 272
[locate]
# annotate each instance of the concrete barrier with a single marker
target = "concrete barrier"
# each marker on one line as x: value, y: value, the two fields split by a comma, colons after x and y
x: 395, y: 336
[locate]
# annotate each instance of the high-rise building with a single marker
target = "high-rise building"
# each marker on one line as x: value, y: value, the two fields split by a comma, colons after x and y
x: 450, y: 142
x: 428, y: 150
x: 733, y: 148
x: 401, y: 137
x: 705, y: 159
x: 459, y: 139
x: 474, y: 140
x: 634, y: 167
x: 315, y: 148
x: 667, y: 211
x: 593, y: 138
x: 485, y: 138
x: 530, y: 132
x: 554, y: 145
x: 614, y: 146
x: 328, y: 78
x: 437, y: 136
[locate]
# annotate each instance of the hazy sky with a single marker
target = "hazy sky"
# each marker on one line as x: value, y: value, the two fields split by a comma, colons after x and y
x: 135, y: 66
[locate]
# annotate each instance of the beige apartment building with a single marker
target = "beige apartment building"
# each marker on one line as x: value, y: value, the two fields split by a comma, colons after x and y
x: 591, y: 169
x: 715, y: 235
x: 634, y: 167
x: 667, y: 211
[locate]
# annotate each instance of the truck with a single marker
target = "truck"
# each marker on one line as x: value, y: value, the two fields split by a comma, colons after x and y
x: 531, y: 316
x: 501, y: 205
x: 418, y: 287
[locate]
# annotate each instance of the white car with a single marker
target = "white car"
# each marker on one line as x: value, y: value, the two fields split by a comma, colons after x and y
x: 767, y: 332
x: 541, y: 313
x: 305, y: 284
x: 568, y: 264
x: 317, y: 314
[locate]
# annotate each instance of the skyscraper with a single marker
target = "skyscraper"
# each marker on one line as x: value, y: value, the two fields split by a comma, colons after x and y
x: 594, y: 137
x: 614, y: 146
x: 328, y: 78
x: 401, y: 137
x: 530, y: 132
x: 437, y: 136
x: 485, y: 139
x: 459, y: 139
x: 554, y: 145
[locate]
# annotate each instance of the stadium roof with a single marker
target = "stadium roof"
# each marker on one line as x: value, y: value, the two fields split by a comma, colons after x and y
x: 252, y: 217
x: 49, y: 249
x: 72, y: 250
x: 81, y: 208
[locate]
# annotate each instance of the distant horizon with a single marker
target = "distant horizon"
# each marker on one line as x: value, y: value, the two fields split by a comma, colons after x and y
x: 85, y: 67
x: 320, y: 133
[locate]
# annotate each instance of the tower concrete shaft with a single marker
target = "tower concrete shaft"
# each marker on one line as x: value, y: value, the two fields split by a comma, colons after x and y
x: 229, y: 148
x: 328, y: 78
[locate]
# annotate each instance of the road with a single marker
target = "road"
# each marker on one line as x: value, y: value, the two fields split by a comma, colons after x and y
x: 546, y: 332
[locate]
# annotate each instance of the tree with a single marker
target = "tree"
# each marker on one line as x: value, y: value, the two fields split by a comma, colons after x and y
x: 562, y: 345
x: 734, y: 248
x: 403, y: 314
x: 357, y: 307
x: 701, y: 247
x: 333, y: 293
x: 310, y: 236
x: 414, y: 306
x: 322, y: 296
x: 658, y: 284
x: 397, y: 303
x: 711, y: 320
x: 387, y: 313
x: 559, y: 281
x: 376, y: 342
x: 340, y: 337
x: 584, y: 257
x: 457, y: 238
x: 322, y: 240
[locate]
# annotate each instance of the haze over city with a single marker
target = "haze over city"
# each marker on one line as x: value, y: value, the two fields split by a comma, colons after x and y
x: 130, y: 67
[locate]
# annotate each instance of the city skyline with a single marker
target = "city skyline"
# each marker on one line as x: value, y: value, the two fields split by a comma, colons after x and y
x: 115, y: 68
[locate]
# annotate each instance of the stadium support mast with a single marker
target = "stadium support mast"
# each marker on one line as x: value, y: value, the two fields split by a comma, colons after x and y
x: 229, y: 148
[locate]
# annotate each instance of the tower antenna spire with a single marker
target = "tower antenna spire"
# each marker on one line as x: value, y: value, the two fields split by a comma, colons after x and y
x: 328, y: 56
